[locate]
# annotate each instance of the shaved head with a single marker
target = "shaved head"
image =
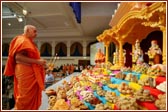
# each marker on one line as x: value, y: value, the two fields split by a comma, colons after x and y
x: 27, y: 27
x: 30, y: 31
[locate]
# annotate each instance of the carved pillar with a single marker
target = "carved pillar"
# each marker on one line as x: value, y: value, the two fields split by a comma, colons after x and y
x: 68, y: 48
x: 84, y: 48
x: 107, y: 51
x: 53, y: 44
x: 164, y: 45
x: 117, y: 55
x: 121, y: 58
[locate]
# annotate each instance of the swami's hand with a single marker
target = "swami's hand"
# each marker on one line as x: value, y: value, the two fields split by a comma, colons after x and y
x: 41, y: 62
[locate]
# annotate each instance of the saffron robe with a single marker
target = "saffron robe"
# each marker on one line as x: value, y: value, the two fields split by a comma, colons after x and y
x: 28, y: 79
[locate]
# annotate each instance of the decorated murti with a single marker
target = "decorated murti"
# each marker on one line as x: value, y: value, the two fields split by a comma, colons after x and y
x: 137, y: 54
x: 154, y: 53
x: 100, y: 71
x: 99, y: 58
x: 116, y: 57
x: 116, y: 63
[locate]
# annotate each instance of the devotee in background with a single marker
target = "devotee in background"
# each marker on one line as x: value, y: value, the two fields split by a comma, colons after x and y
x: 25, y: 64
x: 10, y: 93
x: 49, y: 78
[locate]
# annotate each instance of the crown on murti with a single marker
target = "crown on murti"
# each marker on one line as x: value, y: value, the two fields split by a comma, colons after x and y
x: 154, y: 41
x: 137, y: 41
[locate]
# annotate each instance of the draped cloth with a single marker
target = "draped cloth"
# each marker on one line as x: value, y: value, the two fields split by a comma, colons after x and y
x: 28, y: 79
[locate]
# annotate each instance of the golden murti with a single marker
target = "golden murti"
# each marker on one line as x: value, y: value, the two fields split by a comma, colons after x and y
x: 99, y: 58
x: 154, y: 53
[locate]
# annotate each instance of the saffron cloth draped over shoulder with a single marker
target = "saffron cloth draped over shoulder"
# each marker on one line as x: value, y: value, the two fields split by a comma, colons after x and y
x: 28, y: 79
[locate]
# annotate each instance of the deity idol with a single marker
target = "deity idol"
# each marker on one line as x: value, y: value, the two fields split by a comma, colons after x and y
x: 137, y: 54
x: 154, y: 53
x: 99, y: 57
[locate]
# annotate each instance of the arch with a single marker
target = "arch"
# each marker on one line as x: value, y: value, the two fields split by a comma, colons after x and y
x: 61, y: 49
x: 76, y: 49
x: 5, y: 49
x: 46, y: 49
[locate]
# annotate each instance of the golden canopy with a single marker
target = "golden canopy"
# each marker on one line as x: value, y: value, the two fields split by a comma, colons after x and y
x: 137, y: 24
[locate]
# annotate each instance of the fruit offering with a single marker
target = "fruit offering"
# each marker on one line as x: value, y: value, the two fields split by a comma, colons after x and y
x: 141, y: 68
x: 161, y: 102
x: 156, y: 70
x: 100, y: 91
x: 147, y: 81
x: 144, y: 96
x: 125, y: 89
x: 111, y: 97
x: 113, y: 86
x: 102, y: 107
x: 127, y: 103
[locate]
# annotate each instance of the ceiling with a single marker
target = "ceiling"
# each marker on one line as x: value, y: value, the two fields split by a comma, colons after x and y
x: 56, y: 19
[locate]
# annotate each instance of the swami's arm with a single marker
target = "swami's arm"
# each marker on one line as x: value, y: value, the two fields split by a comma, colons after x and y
x: 20, y: 57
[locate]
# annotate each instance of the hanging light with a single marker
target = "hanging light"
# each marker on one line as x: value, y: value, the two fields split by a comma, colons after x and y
x: 14, y: 15
x: 118, y: 5
x: 9, y: 24
x: 24, y: 12
x: 20, y: 19
x: 115, y: 11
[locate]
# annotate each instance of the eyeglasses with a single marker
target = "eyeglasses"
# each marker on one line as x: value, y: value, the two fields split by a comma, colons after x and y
x: 35, y: 31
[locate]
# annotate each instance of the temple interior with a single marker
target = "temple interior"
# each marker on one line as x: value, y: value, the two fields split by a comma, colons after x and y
x: 102, y: 55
